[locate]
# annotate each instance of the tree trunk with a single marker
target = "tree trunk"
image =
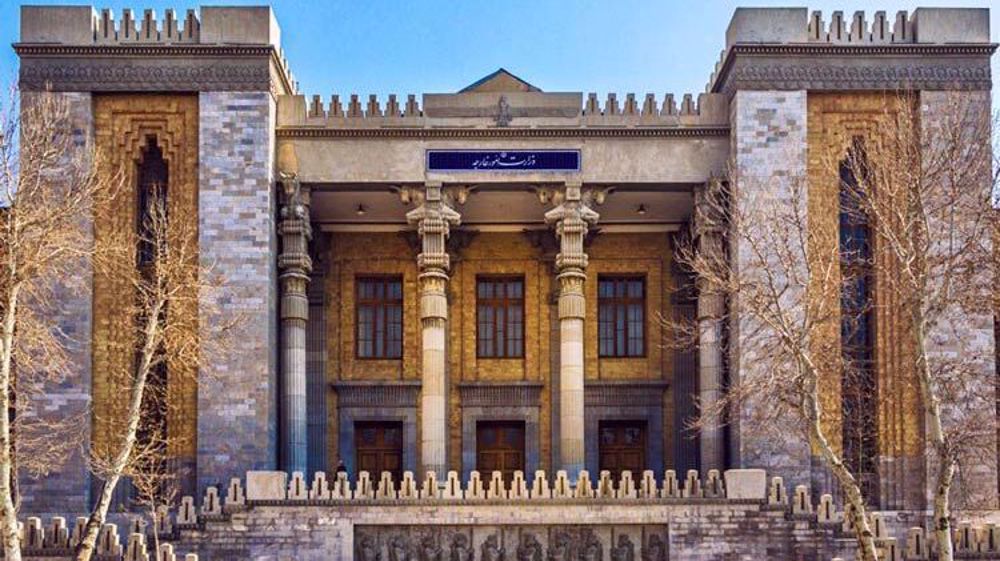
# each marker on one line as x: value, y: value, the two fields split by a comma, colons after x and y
x: 848, y: 483
x: 8, y: 526
x: 85, y: 550
x: 935, y: 429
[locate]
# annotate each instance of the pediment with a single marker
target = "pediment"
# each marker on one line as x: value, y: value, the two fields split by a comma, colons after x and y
x: 499, y: 81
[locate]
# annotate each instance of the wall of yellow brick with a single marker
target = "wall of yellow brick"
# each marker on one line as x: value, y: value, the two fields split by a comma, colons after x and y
x: 644, y: 254
x: 121, y: 125
x: 493, y: 253
x: 833, y: 121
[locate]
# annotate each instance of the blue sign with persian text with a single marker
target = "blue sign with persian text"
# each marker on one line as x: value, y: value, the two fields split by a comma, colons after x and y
x: 503, y: 160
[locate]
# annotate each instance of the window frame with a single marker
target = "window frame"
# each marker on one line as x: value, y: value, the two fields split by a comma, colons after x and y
x: 383, y: 303
x: 497, y: 303
x: 623, y: 302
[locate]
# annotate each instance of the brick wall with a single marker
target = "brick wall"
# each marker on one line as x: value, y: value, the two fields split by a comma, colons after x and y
x: 237, y: 420
x: 66, y: 488
x: 769, y: 159
x: 494, y: 253
x: 695, y: 532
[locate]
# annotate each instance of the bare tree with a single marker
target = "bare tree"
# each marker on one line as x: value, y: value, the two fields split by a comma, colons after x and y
x: 163, y: 288
x: 925, y: 184
x: 48, y: 189
x: 770, y: 245
x: 783, y: 301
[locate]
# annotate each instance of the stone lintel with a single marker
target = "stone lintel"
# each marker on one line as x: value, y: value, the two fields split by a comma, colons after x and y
x: 377, y: 394
x: 500, y: 394
x: 624, y: 393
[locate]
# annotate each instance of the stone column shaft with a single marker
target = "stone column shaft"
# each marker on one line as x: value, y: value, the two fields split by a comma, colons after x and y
x: 434, y: 219
x: 295, y: 265
x: 571, y: 219
x: 572, y: 310
x: 710, y: 365
x: 711, y: 309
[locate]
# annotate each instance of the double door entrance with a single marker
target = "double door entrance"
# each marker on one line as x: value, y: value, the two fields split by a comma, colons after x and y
x: 622, y: 446
x: 379, y: 447
x: 500, y: 446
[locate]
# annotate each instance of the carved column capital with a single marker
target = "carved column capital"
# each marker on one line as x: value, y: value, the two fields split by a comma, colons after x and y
x: 434, y: 219
x: 571, y: 218
x: 295, y: 230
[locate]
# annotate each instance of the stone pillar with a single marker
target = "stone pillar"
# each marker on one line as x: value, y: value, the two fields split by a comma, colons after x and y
x: 571, y: 218
x: 295, y: 266
x: 765, y: 174
x: 434, y: 219
x: 711, y: 311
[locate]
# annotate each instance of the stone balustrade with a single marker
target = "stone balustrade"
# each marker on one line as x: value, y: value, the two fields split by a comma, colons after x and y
x: 57, y: 541
x: 277, y: 489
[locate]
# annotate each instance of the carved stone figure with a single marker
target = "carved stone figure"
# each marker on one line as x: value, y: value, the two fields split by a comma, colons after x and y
x: 655, y: 549
x: 399, y: 548
x: 503, y: 116
x: 529, y: 549
x: 624, y: 550
x: 460, y: 550
x: 429, y: 549
x: 368, y: 549
x: 491, y: 550
x: 559, y: 549
x: 592, y: 549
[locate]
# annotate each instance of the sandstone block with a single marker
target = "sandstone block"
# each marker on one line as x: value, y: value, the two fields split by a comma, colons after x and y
x: 266, y: 485
x: 746, y: 484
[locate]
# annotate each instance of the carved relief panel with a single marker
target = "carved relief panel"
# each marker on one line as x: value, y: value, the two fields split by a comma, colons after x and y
x: 511, y: 543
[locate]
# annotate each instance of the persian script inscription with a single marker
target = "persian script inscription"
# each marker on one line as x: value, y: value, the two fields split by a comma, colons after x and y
x: 503, y: 160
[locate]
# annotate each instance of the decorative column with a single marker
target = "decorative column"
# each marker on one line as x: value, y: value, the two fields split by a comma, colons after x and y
x: 434, y: 219
x: 294, y: 265
x: 571, y: 218
x: 711, y: 310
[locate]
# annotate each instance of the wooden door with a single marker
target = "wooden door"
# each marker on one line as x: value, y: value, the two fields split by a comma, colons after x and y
x: 379, y: 447
x: 499, y: 447
x: 622, y: 447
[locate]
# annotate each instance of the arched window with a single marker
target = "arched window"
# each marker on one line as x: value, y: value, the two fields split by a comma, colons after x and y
x: 151, y: 192
x: 859, y: 384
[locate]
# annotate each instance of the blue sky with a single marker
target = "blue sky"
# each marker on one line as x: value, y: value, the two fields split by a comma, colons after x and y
x: 414, y: 46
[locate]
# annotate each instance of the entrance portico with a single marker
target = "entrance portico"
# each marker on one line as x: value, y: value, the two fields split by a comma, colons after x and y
x: 499, y: 162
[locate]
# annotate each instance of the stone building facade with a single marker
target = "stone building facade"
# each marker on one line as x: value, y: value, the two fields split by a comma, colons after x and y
x: 474, y: 281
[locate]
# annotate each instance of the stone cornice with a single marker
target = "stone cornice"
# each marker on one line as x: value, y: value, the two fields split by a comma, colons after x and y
x: 142, y: 50
x: 148, y: 67
x: 816, y: 66
x: 509, y: 132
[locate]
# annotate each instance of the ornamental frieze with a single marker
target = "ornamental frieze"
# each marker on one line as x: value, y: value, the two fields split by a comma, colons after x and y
x: 107, y: 75
x: 772, y: 68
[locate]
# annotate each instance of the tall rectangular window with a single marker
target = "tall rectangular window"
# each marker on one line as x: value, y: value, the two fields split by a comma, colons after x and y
x: 621, y: 316
x: 499, y: 317
x: 379, y: 317
x: 859, y: 382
